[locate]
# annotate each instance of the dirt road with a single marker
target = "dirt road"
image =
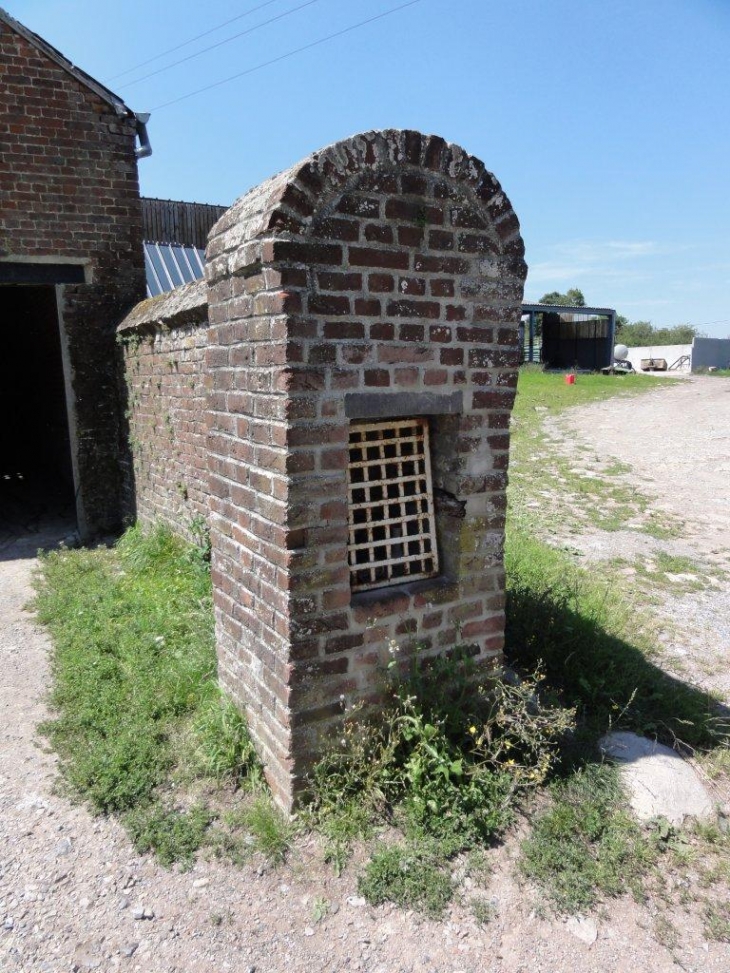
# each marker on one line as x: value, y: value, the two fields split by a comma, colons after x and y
x: 675, y: 442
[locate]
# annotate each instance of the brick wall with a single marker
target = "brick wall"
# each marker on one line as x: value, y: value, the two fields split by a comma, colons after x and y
x: 164, y: 341
x: 384, y: 276
x: 69, y: 191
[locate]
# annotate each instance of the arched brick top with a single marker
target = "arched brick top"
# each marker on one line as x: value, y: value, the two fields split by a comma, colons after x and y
x: 380, y: 279
x: 287, y: 205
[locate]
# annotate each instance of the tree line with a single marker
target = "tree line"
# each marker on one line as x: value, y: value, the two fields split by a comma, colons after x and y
x: 631, y: 333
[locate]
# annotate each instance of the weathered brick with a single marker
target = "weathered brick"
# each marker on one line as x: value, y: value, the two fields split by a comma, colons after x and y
x: 381, y: 283
x: 413, y: 309
x: 287, y: 345
x: 369, y: 257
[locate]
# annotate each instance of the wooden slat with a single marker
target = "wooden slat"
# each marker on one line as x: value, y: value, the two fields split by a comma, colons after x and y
x: 175, y: 221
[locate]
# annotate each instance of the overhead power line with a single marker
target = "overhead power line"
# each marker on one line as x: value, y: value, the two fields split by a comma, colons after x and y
x: 227, y: 40
x: 282, y: 57
x: 205, y: 33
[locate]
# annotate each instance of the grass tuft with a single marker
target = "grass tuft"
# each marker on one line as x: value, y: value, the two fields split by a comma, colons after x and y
x: 270, y: 829
x: 586, y: 844
x: 408, y: 875
x: 173, y: 835
x: 221, y: 746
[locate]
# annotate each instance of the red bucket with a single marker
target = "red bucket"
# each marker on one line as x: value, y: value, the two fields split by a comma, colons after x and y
x: 570, y: 379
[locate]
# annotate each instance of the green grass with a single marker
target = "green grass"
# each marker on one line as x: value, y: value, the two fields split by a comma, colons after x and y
x: 587, y: 845
x: 598, y: 656
x: 555, y: 491
x: 134, y: 656
x: 409, y: 875
x: 596, y: 646
x: 597, y: 652
x: 549, y: 389
x: 135, y: 700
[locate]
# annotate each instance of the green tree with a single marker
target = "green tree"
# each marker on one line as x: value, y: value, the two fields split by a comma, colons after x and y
x: 642, y: 334
x: 571, y: 298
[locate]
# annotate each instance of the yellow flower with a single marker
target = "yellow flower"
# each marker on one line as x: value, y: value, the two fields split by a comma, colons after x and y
x: 473, y: 730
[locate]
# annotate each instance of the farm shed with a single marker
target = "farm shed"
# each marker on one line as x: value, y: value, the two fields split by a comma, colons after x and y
x: 71, y: 265
x: 175, y: 237
x: 568, y: 337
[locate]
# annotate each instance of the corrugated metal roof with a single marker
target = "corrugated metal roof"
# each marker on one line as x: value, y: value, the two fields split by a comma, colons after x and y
x: 170, y: 265
x: 567, y: 309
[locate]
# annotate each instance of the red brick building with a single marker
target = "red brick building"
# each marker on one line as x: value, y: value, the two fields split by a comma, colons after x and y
x: 71, y: 265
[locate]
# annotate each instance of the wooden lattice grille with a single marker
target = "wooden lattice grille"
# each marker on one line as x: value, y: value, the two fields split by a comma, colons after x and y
x: 392, y: 531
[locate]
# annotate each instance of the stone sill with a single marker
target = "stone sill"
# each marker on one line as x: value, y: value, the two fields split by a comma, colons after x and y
x: 394, y: 595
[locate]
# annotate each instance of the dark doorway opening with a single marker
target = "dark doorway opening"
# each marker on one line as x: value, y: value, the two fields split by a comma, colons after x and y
x: 36, y: 472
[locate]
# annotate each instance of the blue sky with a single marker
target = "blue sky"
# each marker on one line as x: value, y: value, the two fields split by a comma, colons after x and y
x: 606, y: 122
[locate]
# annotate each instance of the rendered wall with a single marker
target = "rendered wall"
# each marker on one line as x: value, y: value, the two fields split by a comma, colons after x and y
x: 670, y: 353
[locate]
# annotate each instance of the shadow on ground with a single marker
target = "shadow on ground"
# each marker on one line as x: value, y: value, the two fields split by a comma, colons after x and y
x: 35, y: 514
x: 610, y: 681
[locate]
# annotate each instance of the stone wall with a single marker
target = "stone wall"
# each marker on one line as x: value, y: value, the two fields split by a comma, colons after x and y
x: 163, y: 342
x: 69, y: 192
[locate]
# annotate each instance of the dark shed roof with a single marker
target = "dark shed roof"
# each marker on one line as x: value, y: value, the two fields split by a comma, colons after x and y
x: 565, y: 309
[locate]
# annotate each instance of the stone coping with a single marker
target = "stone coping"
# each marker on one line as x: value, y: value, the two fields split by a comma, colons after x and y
x: 184, y: 305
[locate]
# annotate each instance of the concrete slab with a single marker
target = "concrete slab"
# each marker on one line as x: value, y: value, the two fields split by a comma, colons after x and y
x: 660, y: 783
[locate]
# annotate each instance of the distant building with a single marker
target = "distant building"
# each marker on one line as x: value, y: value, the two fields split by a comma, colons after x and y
x: 175, y: 234
x: 568, y: 337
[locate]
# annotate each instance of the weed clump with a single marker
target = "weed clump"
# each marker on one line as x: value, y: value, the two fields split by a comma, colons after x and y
x: 173, y: 835
x: 409, y: 876
x: 446, y: 761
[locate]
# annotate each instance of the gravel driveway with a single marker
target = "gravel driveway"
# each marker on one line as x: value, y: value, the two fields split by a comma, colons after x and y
x: 74, y: 896
x: 676, y: 441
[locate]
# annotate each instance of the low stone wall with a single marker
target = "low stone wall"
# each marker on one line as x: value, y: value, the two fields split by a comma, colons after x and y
x: 670, y: 353
x: 164, y: 341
